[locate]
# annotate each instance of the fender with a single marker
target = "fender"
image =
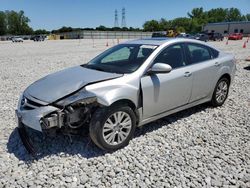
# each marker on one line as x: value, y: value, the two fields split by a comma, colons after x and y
x: 111, y: 91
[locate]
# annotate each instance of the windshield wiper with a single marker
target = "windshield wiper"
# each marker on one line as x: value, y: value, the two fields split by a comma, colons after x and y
x: 102, y: 68
x: 94, y: 67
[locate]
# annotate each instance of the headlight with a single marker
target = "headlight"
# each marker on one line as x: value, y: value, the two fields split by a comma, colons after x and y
x: 81, y: 97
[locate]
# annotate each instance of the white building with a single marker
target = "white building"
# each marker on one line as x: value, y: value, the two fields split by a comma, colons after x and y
x: 228, y: 27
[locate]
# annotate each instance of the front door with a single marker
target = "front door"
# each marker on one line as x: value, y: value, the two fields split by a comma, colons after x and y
x: 167, y: 91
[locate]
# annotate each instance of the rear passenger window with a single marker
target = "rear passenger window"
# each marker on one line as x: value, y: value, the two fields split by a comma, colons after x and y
x: 198, y: 53
x: 215, y: 53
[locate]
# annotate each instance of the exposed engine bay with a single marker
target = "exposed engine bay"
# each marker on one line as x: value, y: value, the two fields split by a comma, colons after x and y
x: 70, y: 117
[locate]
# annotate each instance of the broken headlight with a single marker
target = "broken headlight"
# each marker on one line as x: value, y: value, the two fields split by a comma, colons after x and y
x: 80, y: 97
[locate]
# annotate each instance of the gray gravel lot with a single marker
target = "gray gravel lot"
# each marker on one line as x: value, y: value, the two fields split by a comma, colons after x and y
x: 199, y: 147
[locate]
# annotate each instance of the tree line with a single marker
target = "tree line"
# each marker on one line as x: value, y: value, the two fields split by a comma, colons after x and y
x: 196, y: 19
x: 16, y: 23
x: 100, y: 28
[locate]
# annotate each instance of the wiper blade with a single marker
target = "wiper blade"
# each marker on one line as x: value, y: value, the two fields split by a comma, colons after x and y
x: 93, y: 67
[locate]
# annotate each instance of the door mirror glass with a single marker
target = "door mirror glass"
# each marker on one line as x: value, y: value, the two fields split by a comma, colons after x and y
x: 160, y: 68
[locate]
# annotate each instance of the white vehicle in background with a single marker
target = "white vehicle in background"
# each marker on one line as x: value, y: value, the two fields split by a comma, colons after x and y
x: 17, y: 39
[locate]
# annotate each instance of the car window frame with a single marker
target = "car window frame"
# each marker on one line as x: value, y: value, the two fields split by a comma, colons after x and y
x: 187, y: 52
x: 182, y: 50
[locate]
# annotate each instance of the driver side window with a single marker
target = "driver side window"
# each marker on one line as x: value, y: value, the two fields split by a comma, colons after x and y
x: 172, y: 55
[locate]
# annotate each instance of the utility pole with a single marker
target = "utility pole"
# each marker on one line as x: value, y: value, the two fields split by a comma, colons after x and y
x: 123, y: 18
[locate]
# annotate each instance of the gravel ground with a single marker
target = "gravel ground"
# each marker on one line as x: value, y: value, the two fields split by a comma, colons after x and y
x: 199, y: 147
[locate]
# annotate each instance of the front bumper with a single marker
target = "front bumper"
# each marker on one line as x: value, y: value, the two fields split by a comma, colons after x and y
x: 31, y: 117
x: 25, y: 138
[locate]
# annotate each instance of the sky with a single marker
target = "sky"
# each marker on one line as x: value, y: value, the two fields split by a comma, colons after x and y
x: 53, y: 14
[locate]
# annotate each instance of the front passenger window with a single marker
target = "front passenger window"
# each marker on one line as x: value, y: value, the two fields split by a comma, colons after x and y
x: 171, y: 55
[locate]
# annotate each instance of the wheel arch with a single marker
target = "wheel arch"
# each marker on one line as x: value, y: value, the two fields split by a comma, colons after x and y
x: 125, y: 101
x: 226, y: 75
x: 129, y: 103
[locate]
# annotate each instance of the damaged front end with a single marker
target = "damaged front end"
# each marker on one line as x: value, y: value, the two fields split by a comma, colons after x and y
x: 69, y: 114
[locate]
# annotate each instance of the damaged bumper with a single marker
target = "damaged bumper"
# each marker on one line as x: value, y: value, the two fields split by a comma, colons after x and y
x: 33, y: 118
x: 71, y: 113
x: 25, y: 139
x: 31, y: 114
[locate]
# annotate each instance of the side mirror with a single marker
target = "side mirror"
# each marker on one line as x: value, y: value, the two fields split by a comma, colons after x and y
x: 159, y: 68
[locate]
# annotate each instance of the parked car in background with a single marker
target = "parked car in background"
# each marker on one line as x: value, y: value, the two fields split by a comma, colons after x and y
x: 184, y: 35
x: 201, y: 36
x: 17, y: 39
x: 235, y: 36
x: 37, y: 38
x: 215, y: 36
x: 26, y: 38
x: 127, y: 86
x: 159, y: 34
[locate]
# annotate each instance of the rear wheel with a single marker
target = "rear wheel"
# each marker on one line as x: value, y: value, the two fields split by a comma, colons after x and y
x: 220, y: 92
x: 112, y: 127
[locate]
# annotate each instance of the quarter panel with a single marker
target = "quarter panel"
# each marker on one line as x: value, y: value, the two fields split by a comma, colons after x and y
x: 227, y: 66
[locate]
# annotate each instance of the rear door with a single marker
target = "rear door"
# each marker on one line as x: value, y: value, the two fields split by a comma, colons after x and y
x: 204, y: 69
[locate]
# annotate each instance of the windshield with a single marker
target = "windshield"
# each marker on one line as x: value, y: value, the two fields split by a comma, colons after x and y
x: 123, y: 58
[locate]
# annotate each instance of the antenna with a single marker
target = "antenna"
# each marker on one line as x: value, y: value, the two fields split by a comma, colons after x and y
x: 116, y: 19
x: 123, y: 18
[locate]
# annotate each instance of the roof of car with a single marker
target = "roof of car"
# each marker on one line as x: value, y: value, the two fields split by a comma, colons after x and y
x: 150, y: 41
x: 162, y: 40
x: 159, y: 41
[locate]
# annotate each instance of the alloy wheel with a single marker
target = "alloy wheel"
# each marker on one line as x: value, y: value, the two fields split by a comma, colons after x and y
x: 117, y: 128
x: 221, y: 91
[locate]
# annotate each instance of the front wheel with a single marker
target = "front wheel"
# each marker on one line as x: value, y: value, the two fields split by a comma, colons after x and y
x: 220, y: 92
x: 112, y: 127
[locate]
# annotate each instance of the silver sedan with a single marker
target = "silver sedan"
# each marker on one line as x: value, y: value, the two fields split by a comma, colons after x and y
x: 126, y: 86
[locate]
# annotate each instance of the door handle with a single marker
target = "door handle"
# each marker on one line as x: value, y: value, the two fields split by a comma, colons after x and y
x: 187, y: 74
x: 217, y: 64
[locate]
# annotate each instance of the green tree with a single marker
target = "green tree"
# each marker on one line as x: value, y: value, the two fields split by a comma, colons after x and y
x: 41, y: 31
x: 152, y: 25
x: 194, y: 26
x: 3, y: 24
x: 198, y: 19
x: 196, y: 13
x: 217, y: 15
x: 18, y: 23
x: 164, y: 25
x: 247, y: 17
x: 233, y: 14
x: 181, y: 24
x: 65, y: 29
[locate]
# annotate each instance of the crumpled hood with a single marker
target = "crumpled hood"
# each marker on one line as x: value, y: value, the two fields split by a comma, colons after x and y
x: 60, y: 84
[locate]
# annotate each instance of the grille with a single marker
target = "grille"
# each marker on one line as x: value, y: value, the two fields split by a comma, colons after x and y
x: 27, y: 104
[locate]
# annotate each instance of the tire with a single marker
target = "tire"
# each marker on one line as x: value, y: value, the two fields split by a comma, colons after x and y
x: 100, y: 128
x: 219, y: 90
